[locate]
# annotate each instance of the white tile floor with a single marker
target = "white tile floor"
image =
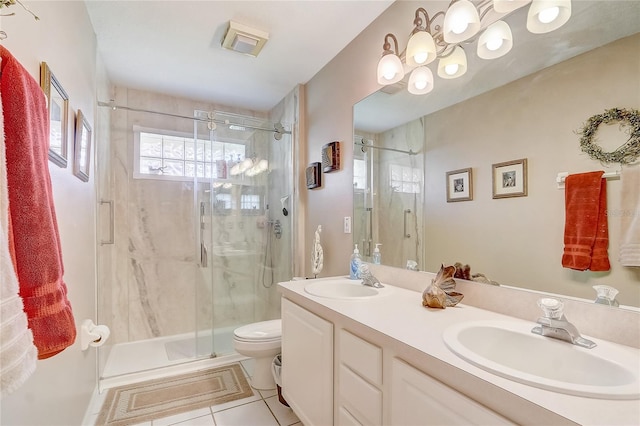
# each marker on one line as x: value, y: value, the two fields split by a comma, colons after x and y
x: 261, y: 409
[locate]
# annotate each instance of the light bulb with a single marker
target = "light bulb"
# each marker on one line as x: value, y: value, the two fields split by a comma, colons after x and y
x: 549, y: 15
x: 389, y: 72
x: 459, y: 27
x: 494, y: 44
x: 420, y: 58
x: 451, y: 69
x: 420, y: 84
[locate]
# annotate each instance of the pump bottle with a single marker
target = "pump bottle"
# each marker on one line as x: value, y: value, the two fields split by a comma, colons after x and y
x: 377, y: 257
x: 354, y: 265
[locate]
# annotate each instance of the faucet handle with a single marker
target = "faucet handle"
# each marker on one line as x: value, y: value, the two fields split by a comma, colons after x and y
x: 551, y: 307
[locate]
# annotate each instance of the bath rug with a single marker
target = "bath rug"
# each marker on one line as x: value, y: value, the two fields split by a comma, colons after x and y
x: 155, y: 399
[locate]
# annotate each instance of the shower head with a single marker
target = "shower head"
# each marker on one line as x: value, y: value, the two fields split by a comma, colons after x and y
x: 284, y: 208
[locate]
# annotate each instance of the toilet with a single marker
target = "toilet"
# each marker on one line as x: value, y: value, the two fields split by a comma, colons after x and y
x: 260, y: 341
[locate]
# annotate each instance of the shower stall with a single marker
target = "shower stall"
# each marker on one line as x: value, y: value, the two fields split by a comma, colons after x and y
x: 388, y: 194
x: 193, y: 237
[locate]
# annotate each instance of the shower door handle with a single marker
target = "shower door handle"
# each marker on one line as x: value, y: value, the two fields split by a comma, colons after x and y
x: 111, y: 239
x: 406, y: 234
x: 204, y: 256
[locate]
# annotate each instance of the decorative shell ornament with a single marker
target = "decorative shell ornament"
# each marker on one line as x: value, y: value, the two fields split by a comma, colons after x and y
x: 317, y: 255
x: 440, y: 293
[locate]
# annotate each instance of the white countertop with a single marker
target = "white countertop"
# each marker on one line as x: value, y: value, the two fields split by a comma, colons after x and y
x: 398, y: 313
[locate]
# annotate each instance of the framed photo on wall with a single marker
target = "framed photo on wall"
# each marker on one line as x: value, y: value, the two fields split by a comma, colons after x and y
x: 82, y: 148
x: 314, y: 176
x: 510, y: 179
x: 331, y: 157
x: 460, y: 185
x: 58, y: 108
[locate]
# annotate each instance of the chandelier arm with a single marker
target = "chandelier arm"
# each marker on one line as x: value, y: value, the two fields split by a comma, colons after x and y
x: 387, y: 46
x: 430, y: 21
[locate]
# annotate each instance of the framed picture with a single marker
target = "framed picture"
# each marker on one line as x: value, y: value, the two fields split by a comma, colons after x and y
x: 314, y: 176
x: 82, y: 148
x: 58, y: 107
x: 331, y: 157
x: 460, y: 185
x: 510, y: 179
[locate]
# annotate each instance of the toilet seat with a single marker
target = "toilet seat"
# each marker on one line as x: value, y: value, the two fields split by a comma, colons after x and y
x: 265, y: 331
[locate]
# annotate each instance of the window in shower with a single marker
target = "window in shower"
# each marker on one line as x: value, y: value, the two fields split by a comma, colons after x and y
x: 163, y: 154
x: 405, y: 179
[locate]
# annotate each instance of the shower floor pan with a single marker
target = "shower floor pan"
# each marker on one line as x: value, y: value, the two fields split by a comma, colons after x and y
x: 159, y: 357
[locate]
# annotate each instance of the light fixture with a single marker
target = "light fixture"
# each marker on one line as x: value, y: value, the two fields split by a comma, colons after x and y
x: 421, y: 49
x: 421, y: 81
x: 464, y: 22
x: 548, y: 15
x: 454, y: 65
x: 461, y: 22
x: 390, y: 68
x: 495, y: 41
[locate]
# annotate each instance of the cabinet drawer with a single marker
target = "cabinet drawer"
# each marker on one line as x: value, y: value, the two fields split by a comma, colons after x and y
x: 361, y: 356
x: 416, y: 396
x: 361, y: 399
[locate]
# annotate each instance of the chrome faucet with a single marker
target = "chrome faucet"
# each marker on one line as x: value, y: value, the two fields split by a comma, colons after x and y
x: 367, y: 277
x: 555, y: 324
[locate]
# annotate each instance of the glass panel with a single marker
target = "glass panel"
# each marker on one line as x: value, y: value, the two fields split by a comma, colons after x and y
x: 150, y: 145
x: 173, y: 147
x: 173, y: 168
x: 150, y: 166
x: 189, y: 150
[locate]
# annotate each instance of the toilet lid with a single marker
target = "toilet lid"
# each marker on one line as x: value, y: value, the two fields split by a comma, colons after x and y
x: 263, y: 331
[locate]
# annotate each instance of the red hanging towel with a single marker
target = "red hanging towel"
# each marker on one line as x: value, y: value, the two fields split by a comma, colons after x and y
x: 586, y: 235
x: 33, y: 225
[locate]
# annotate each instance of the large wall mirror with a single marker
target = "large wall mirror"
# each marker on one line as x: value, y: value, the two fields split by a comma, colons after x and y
x: 528, y: 105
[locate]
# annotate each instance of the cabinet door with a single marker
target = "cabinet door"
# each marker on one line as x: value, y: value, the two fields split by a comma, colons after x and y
x: 417, y: 398
x: 307, y: 364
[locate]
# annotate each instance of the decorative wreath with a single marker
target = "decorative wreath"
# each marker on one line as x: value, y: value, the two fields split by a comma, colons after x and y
x: 625, y: 154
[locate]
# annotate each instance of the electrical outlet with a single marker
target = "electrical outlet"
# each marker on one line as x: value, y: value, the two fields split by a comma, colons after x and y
x: 347, y: 224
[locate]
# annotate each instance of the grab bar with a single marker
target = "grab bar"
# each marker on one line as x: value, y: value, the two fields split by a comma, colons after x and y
x: 111, y: 239
x: 406, y: 234
x: 367, y: 248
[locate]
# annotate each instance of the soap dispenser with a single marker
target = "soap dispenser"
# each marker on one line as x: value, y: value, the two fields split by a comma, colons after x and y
x: 377, y: 257
x: 354, y: 265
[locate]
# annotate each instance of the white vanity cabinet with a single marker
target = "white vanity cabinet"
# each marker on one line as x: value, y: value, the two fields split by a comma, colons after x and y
x: 307, y: 364
x: 327, y: 363
x: 417, y: 398
x: 359, y: 380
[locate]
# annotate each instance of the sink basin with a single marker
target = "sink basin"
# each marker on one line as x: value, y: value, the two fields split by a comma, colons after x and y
x: 341, y: 289
x: 510, y: 350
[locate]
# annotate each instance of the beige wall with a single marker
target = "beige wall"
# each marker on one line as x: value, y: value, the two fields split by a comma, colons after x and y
x: 64, y: 39
x: 330, y: 97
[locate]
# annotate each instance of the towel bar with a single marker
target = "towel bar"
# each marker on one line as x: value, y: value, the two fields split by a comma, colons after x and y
x: 563, y: 175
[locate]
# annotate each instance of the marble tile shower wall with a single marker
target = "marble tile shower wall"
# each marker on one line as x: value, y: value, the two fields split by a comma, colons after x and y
x: 153, y: 285
x: 400, y: 206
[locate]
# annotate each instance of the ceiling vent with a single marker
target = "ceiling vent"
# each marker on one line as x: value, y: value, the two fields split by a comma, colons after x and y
x: 243, y: 39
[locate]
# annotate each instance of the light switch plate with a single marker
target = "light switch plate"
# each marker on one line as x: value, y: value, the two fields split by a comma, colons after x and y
x: 347, y: 224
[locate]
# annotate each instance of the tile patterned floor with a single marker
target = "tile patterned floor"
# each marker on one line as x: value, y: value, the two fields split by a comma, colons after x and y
x: 261, y: 409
